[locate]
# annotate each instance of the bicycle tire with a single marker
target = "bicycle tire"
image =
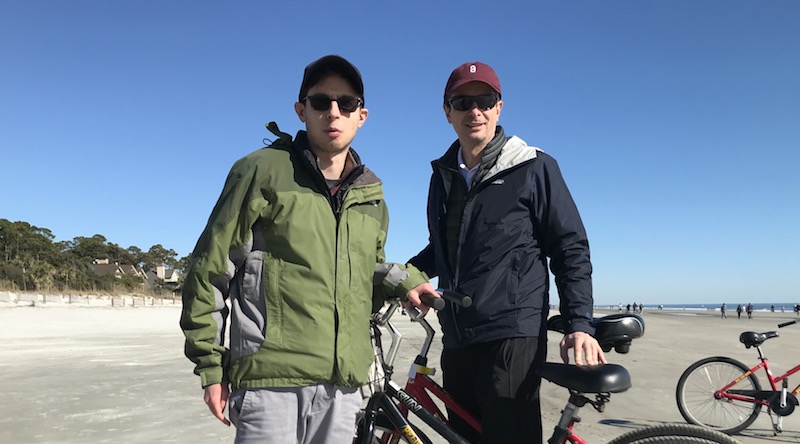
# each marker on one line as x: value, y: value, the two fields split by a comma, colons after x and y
x: 698, y: 405
x: 385, y: 432
x: 674, y: 434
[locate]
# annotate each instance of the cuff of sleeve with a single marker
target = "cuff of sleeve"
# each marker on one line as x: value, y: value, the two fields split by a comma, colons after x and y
x: 581, y: 325
x: 210, y: 376
x: 415, y: 278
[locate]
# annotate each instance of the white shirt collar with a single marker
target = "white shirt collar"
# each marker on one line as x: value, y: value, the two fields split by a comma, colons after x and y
x: 466, y: 173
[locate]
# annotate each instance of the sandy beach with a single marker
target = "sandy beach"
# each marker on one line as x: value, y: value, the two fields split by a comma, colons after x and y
x: 103, y: 375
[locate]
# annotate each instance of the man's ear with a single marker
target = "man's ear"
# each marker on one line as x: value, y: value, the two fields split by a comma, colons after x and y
x: 362, y: 116
x: 447, y: 112
x: 300, y: 109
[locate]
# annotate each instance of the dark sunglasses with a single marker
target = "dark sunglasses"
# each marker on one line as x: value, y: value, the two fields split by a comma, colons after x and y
x: 322, y: 102
x: 484, y: 102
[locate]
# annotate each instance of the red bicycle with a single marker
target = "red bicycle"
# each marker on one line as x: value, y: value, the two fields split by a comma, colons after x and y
x: 724, y: 394
x: 385, y: 418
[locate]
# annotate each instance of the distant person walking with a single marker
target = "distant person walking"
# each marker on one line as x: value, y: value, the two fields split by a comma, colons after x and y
x: 724, y: 311
x: 739, y: 311
x: 635, y: 307
x: 749, y: 311
x: 797, y: 309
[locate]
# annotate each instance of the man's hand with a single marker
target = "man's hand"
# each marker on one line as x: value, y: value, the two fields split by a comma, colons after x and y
x: 587, y: 350
x: 414, y: 294
x: 216, y: 397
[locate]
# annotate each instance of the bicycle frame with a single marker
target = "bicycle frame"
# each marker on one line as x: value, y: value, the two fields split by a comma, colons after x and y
x: 421, y: 388
x: 417, y: 397
x: 387, y: 410
x: 735, y: 405
x: 396, y: 402
x: 773, y: 382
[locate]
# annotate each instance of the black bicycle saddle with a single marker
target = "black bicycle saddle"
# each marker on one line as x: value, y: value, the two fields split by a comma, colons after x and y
x: 612, y: 331
x: 603, y: 378
x: 753, y: 339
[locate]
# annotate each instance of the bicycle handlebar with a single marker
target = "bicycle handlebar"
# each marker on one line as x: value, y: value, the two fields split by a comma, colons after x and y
x: 430, y: 301
x: 445, y: 295
x: 786, y: 324
x: 455, y: 297
x: 438, y: 303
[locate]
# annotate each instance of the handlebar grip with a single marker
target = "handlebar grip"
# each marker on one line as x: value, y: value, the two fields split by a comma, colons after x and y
x: 784, y: 324
x: 456, y: 298
x: 430, y: 301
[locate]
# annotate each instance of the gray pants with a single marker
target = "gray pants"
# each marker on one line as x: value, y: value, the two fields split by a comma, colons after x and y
x: 317, y: 414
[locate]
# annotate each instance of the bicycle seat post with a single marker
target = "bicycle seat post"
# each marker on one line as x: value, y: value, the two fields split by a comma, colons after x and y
x: 760, y: 353
x: 569, y: 416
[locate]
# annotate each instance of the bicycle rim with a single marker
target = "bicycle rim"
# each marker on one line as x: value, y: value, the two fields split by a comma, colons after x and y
x: 698, y: 405
x: 673, y: 434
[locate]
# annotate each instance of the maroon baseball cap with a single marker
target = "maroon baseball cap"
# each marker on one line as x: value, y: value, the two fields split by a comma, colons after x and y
x: 472, y: 72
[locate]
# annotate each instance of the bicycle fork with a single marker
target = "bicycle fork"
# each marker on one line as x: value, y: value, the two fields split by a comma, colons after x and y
x: 383, y: 402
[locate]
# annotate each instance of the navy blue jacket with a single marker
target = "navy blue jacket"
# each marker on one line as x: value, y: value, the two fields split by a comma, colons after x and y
x: 518, y: 216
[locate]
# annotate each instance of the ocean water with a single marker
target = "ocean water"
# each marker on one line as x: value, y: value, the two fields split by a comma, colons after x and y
x: 731, y: 306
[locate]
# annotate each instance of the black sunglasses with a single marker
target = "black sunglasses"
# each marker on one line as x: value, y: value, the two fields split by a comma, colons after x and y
x: 322, y: 102
x: 484, y: 102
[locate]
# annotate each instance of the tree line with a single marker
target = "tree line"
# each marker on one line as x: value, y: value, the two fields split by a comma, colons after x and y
x: 30, y: 260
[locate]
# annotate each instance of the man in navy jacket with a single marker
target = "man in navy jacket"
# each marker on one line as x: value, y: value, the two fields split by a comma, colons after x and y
x: 498, y: 210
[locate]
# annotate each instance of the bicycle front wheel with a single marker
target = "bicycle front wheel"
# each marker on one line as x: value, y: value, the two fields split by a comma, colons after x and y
x: 699, y: 402
x: 673, y: 434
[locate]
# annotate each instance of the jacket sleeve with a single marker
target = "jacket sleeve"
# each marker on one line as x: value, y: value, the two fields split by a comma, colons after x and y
x: 425, y: 261
x: 563, y: 239
x: 219, y: 252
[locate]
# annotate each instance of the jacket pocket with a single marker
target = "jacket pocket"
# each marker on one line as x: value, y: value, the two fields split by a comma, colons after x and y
x: 272, y: 299
x: 249, y: 318
x: 513, y: 277
x: 363, y: 236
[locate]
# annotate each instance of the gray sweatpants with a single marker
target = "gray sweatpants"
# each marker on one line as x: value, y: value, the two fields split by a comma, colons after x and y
x: 317, y: 414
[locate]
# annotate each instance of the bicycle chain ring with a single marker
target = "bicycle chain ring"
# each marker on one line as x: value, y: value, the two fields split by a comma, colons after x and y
x: 775, y: 404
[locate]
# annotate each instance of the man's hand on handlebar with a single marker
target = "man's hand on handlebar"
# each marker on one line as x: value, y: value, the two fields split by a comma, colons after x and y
x: 414, y: 295
x: 586, y: 349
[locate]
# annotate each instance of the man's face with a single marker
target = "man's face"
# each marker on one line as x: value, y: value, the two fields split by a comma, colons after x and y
x: 332, y: 130
x: 474, y: 127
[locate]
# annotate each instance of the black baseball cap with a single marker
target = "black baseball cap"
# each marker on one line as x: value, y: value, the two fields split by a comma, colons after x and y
x: 331, y: 64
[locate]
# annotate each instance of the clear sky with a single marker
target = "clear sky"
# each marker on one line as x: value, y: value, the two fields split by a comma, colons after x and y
x: 676, y: 123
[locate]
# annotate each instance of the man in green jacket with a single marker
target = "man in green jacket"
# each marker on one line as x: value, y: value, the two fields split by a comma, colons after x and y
x: 294, y: 252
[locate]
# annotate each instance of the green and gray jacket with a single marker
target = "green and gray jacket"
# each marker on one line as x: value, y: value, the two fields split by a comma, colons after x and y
x: 302, y: 269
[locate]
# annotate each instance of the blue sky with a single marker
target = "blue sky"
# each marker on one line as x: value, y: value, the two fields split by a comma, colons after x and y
x: 676, y: 123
